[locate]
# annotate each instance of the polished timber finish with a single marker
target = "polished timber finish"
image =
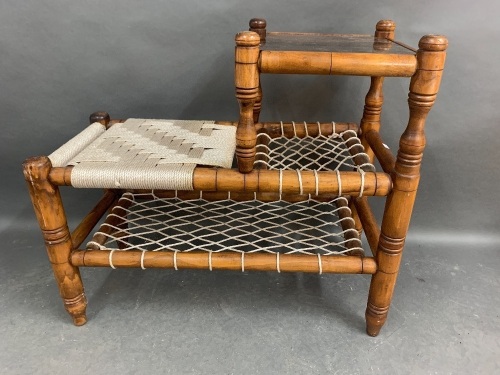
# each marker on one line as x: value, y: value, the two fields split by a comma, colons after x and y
x: 424, y: 86
x: 377, y: 57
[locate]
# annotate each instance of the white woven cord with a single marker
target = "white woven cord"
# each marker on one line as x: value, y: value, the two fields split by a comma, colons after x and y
x: 175, y: 260
x: 152, y: 154
x: 316, y: 182
x: 321, y: 152
x: 142, y: 259
x: 336, y: 152
x: 111, y: 259
x: 62, y: 156
x: 281, y: 183
x: 171, y: 224
x: 319, y: 129
x: 301, y: 188
x: 362, y: 173
x: 339, y: 182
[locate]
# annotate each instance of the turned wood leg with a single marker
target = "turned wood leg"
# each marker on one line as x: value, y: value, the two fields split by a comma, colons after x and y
x: 424, y: 86
x: 246, y: 77
x: 49, y: 211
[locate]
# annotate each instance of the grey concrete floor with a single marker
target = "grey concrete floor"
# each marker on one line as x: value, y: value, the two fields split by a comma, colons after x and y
x: 444, y: 318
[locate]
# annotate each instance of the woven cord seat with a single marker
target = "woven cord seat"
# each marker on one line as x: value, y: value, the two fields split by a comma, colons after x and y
x: 145, y: 154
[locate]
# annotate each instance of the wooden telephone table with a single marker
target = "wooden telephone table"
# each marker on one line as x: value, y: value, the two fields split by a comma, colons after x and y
x: 297, y: 200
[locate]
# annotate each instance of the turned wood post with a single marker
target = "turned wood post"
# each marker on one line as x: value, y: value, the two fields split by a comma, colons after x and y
x: 375, y: 97
x: 424, y: 86
x: 258, y: 25
x: 49, y: 211
x: 257, y: 105
x: 246, y: 79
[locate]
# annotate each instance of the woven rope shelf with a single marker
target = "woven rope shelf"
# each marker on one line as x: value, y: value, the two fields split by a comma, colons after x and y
x: 146, y: 222
x: 341, y: 151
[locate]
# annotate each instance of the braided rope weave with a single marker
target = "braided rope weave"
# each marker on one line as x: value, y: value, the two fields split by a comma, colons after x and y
x: 149, y: 154
x: 75, y: 145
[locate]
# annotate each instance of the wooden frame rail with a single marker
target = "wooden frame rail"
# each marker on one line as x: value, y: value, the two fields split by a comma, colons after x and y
x: 116, y: 220
x: 382, y: 152
x: 235, y: 196
x: 369, y: 222
x: 218, y: 179
x: 337, y: 63
x: 91, y: 219
x: 351, y: 233
x: 224, y: 260
x: 300, y: 130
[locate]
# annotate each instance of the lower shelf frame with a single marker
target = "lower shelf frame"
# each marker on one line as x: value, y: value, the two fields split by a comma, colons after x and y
x: 225, y: 260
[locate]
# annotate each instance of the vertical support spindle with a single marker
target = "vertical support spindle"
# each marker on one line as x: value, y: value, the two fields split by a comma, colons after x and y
x: 424, y: 86
x: 258, y: 25
x: 375, y: 97
x: 247, y: 92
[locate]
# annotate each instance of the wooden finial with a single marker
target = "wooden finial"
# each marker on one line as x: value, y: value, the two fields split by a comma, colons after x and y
x: 383, y: 31
x: 35, y: 167
x: 102, y: 117
x: 386, y: 26
x: 258, y: 25
x: 247, y: 39
x: 433, y: 43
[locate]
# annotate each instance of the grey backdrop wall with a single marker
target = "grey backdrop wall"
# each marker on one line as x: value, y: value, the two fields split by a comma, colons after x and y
x: 62, y: 60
